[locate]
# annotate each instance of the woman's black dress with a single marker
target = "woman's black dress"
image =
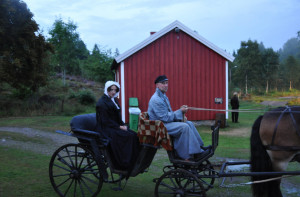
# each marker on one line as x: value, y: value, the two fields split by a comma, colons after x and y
x: 124, y: 145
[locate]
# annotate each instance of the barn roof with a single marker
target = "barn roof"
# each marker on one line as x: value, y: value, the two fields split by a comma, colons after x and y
x: 165, y: 30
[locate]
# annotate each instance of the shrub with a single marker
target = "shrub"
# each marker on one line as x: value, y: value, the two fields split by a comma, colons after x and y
x: 86, y: 97
x: 295, y: 101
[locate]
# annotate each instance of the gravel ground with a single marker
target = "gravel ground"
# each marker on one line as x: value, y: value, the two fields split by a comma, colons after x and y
x: 49, y: 141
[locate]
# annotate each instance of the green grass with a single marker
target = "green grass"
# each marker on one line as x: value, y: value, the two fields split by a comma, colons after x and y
x: 24, y: 174
x: 46, y: 123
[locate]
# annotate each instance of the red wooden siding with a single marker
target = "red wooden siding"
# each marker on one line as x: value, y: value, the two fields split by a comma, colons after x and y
x: 196, y: 74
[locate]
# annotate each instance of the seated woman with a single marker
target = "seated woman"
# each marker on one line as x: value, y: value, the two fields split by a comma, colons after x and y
x: 124, y: 142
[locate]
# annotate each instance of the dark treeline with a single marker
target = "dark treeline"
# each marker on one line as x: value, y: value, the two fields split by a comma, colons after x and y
x: 28, y: 60
x: 260, y: 70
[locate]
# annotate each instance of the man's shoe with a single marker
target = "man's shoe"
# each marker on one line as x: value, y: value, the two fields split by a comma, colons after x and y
x: 199, y: 156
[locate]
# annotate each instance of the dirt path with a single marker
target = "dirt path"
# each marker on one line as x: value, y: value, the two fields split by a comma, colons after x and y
x: 274, y: 103
x: 38, y: 141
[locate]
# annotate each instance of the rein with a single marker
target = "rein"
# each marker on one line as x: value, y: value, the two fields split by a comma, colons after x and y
x: 224, y: 110
x: 238, y: 110
x: 272, y: 146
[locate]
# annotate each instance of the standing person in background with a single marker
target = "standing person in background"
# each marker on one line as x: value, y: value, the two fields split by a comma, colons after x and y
x: 235, y: 106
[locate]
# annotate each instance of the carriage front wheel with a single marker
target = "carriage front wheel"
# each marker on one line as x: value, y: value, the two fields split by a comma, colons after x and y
x: 73, y: 171
x: 179, y: 182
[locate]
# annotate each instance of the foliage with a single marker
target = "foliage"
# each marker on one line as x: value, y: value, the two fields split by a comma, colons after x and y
x: 53, y: 99
x: 24, y: 51
x: 97, y: 66
x: 257, y: 69
x: 292, y: 70
x: 270, y: 66
x: 86, y: 97
x: 69, y: 48
x: 248, y: 65
x: 295, y: 101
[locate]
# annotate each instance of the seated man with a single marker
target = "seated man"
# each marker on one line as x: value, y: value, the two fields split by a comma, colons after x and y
x: 187, y: 141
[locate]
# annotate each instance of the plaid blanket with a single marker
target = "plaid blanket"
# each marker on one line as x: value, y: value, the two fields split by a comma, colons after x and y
x: 153, y: 132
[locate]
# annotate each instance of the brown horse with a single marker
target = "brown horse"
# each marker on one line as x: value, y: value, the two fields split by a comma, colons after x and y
x: 275, y: 141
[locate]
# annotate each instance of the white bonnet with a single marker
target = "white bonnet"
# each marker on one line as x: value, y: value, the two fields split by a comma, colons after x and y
x: 111, y: 83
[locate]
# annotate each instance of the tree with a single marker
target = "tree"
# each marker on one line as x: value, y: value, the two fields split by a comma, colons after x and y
x: 98, y: 65
x: 292, y: 70
x: 69, y: 48
x: 248, y: 65
x: 270, y: 63
x: 23, y: 50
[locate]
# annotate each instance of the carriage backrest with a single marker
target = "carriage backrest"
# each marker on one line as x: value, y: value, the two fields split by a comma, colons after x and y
x: 85, y: 122
x: 153, y: 132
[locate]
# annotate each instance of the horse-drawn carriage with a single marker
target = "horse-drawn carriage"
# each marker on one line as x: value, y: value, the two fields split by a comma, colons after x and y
x: 80, y: 169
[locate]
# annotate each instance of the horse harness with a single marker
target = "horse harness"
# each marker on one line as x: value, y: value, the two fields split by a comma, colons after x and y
x: 284, y: 148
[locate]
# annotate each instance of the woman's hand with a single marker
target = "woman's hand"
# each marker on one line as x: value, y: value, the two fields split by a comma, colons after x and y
x: 123, y: 127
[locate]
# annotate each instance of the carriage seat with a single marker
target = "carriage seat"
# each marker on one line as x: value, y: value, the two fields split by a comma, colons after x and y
x: 85, y: 125
x: 85, y: 122
x: 153, y: 132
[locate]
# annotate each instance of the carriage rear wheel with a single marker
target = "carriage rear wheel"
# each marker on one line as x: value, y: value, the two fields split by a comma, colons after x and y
x: 206, y: 174
x: 73, y: 171
x: 179, y: 182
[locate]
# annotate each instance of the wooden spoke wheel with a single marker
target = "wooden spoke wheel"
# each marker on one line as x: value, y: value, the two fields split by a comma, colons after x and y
x: 73, y: 171
x: 178, y: 183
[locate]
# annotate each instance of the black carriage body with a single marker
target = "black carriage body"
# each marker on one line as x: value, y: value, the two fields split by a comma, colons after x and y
x: 92, y: 150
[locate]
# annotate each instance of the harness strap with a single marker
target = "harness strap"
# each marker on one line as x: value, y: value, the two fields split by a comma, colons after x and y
x: 282, y: 148
x: 277, y: 123
x: 294, y: 122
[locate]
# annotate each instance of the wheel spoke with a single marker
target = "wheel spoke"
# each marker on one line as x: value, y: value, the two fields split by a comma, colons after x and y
x: 68, y: 188
x: 61, y: 167
x: 69, y: 156
x: 167, y: 185
x: 81, y: 189
x: 62, y: 160
x: 60, y: 175
x: 62, y: 183
x: 74, y: 170
x: 90, y: 180
x: 179, y: 182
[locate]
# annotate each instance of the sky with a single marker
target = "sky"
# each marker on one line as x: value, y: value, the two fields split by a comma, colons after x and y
x: 122, y: 24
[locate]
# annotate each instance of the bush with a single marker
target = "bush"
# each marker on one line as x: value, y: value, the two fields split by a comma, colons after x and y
x: 295, y: 101
x: 86, y: 97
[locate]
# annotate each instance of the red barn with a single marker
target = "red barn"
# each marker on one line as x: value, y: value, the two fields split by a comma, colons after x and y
x: 196, y: 69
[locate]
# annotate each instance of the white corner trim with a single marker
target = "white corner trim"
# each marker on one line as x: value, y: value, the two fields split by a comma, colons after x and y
x: 123, y: 92
x: 226, y: 73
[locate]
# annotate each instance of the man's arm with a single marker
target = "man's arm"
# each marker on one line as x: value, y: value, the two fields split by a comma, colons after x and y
x: 160, y: 110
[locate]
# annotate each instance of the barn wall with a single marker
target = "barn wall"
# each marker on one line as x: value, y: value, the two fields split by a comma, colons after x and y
x: 196, y: 74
